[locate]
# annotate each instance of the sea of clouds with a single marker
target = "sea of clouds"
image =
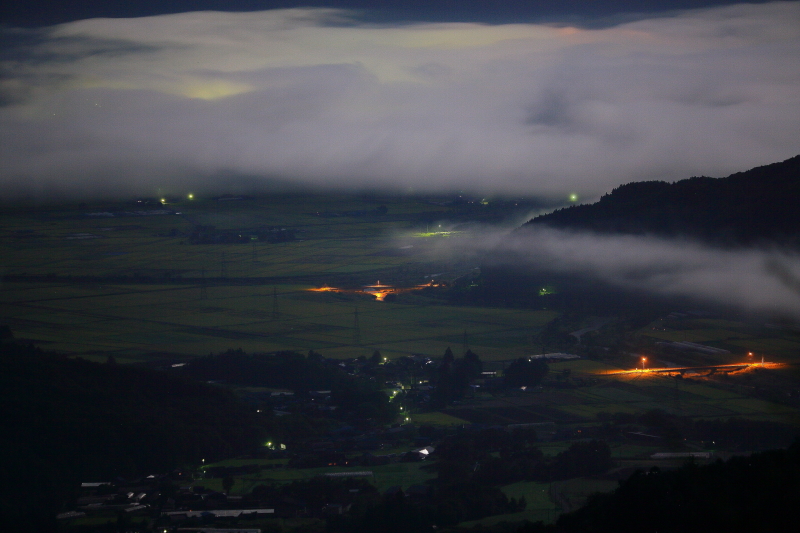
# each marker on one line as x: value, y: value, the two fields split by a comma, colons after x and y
x: 319, y: 97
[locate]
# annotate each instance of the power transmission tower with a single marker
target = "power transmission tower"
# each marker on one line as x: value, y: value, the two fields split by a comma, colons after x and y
x: 356, y: 329
x: 275, y: 313
x: 203, y: 288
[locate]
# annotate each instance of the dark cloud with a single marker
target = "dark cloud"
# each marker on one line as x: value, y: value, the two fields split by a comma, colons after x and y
x: 596, y: 14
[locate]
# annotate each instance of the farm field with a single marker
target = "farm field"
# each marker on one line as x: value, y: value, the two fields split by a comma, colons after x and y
x: 125, y: 279
x: 74, y: 242
x: 91, y: 282
x: 540, y: 506
x: 139, y: 322
x: 776, y: 343
x: 384, y: 476
x: 620, y: 393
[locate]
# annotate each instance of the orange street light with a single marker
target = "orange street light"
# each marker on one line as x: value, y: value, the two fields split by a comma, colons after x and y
x: 643, y: 360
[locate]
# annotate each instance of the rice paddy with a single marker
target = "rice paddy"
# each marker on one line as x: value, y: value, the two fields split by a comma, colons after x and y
x: 137, y: 288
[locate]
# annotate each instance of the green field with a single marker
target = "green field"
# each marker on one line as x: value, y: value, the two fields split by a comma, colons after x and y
x: 82, y: 282
x: 136, y: 322
x: 384, y: 476
x: 436, y: 418
x: 48, y: 241
x: 135, y: 286
x: 620, y: 393
x: 775, y: 343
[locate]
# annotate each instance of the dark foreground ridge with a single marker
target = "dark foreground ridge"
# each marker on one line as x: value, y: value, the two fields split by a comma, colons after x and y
x: 63, y: 421
x: 755, y: 493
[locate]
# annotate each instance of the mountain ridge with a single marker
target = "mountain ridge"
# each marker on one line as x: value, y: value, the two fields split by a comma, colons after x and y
x: 753, y: 207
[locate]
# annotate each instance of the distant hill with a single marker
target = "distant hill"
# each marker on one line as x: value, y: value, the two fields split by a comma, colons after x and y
x: 747, y: 208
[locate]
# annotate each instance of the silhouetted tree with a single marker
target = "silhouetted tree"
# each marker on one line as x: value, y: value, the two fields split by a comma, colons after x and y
x: 473, y: 365
x: 525, y: 372
x: 448, y: 357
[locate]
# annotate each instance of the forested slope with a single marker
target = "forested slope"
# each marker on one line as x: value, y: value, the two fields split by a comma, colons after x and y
x: 748, y: 208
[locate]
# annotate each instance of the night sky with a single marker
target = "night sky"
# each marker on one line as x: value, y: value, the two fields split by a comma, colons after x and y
x: 546, y: 98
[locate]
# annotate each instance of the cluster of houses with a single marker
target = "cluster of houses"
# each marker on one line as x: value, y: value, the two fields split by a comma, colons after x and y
x: 170, y: 497
x: 160, y: 498
x: 357, y: 444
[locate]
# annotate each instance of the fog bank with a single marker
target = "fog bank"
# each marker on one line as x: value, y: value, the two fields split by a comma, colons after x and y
x: 752, y: 280
x: 318, y: 97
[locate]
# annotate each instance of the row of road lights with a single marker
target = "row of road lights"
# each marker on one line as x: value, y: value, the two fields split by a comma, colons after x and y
x: 749, y: 354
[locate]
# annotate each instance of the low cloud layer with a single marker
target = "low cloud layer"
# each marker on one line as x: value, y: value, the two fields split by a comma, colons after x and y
x: 315, y: 97
x: 753, y: 280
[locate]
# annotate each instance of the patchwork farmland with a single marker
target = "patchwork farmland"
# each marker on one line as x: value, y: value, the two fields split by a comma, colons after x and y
x: 135, y: 286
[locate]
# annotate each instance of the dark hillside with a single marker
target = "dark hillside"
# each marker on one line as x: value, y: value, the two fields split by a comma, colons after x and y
x: 65, y: 421
x: 748, y: 493
x: 748, y: 208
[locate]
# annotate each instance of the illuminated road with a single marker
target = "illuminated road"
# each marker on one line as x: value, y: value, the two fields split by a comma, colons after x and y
x: 693, y: 369
x: 378, y: 290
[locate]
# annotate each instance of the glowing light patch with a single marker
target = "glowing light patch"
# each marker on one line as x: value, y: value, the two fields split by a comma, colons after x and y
x: 436, y: 233
x: 215, y: 90
x: 379, y: 291
x: 549, y: 289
